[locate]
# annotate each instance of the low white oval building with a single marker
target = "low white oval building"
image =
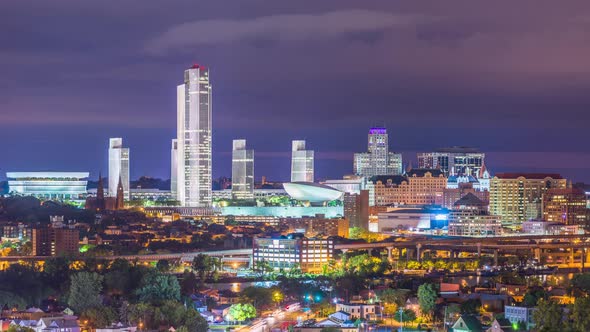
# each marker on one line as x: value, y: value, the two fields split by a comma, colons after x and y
x: 311, y: 192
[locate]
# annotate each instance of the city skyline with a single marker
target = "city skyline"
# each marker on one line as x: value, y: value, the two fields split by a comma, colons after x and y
x: 459, y: 94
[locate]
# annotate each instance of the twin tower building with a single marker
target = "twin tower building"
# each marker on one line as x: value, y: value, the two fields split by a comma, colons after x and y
x: 191, y: 171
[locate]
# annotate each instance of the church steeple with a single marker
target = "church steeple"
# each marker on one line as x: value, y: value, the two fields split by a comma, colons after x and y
x: 409, y: 168
x: 100, y: 202
x: 100, y: 188
x: 120, y: 204
x: 483, y: 171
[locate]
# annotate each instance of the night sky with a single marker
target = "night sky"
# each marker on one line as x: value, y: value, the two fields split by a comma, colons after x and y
x: 509, y: 77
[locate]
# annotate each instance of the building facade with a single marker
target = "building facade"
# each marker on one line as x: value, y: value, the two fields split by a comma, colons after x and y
x: 566, y: 206
x: 118, y: 167
x: 412, y: 218
x: 49, y: 185
x: 318, y: 226
x: 49, y: 241
x: 470, y: 217
x: 287, y: 252
x: 174, y: 168
x: 356, y: 209
x: 378, y: 160
x: 194, y: 132
x: 457, y: 160
x: 451, y: 195
x: 416, y: 187
x: 302, y: 163
x: 242, y: 171
x: 517, y: 197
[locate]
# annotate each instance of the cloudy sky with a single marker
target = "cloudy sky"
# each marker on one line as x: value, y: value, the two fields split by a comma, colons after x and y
x: 511, y: 78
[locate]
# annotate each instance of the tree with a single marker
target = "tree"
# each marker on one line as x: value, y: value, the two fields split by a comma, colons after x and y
x: 141, y: 313
x: 427, y: 296
x: 11, y: 300
x: 163, y: 265
x: 85, y: 288
x: 363, y: 234
x: 157, y: 287
x: 241, y: 312
x: 99, y: 317
x: 533, y: 295
x: 256, y: 295
x: 188, y: 283
x: 548, y: 316
x: 394, y: 296
x: 579, y: 315
x: 405, y: 316
x: 581, y: 284
x: 57, y: 272
x: 277, y: 295
x: 16, y: 328
x: 470, y: 306
x: 203, y: 266
x: 262, y: 268
x: 193, y: 321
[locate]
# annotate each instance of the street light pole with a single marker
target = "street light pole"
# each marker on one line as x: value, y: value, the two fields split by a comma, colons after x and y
x: 401, y: 319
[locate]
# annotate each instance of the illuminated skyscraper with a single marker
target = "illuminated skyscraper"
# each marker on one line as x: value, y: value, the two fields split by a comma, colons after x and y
x: 301, y: 163
x: 456, y: 160
x: 118, y: 167
x: 173, y: 167
x: 567, y: 206
x: 378, y: 160
x: 193, y: 175
x: 242, y: 171
x: 517, y: 197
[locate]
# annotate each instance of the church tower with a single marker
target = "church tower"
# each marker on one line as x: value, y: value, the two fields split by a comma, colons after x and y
x: 120, y: 203
x: 100, y: 202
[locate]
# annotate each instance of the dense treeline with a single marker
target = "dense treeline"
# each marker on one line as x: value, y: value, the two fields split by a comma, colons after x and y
x: 102, y: 293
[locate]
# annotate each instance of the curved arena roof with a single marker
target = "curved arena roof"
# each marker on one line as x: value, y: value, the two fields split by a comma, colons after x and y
x: 312, y: 192
x: 47, y: 175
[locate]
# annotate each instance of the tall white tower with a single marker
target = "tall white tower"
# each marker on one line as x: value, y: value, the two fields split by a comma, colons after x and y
x: 379, y: 150
x: 194, y: 138
x: 173, y: 168
x: 242, y: 171
x: 118, y: 167
x: 301, y: 163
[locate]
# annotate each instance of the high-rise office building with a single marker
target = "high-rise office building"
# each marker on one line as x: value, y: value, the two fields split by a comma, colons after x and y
x: 567, y: 206
x: 301, y: 163
x: 356, y: 209
x: 118, y: 167
x: 455, y: 160
x: 194, y: 130
x: 242, y: 171
x: 517, y: 197
x: 378, y: 160
x: 173, y: 168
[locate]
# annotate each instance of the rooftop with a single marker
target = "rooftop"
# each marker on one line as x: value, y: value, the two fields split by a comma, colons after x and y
x: 421, y: 172
x: 394, y: 179
x: 469, y: 200
x: 528, y: 175
x: 458, y: 149
x: 47, y: 175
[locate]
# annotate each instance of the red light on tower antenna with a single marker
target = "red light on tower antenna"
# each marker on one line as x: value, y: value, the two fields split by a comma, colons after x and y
x: 198, y: 66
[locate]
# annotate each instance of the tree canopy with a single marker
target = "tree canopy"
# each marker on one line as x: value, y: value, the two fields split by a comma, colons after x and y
x: 427, y: 296
x: 157, y: 287
x: 85, y: 288
x: 241, y: 312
